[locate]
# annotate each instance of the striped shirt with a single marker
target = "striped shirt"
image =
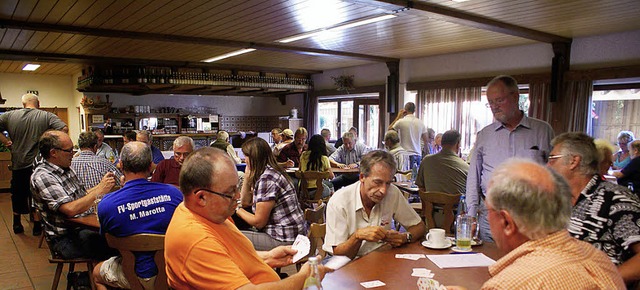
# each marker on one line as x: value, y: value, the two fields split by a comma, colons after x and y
x: 53, y: 186
x: 90, y: 168
x: 286, y: 220
x: 557, y: 261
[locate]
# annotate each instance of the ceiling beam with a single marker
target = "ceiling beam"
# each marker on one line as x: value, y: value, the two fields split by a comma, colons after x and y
x: 100, y: 32
x: 19, y: 55
x: 476, y: 21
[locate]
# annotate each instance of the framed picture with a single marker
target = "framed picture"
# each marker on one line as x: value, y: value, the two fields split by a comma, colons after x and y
x: 97, y: 119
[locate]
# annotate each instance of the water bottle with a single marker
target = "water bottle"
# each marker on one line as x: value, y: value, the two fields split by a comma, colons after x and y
x: 461, y: 211
x: 313, y: 281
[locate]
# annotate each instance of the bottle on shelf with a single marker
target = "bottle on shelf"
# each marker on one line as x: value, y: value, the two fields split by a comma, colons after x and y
x: 313, y: 281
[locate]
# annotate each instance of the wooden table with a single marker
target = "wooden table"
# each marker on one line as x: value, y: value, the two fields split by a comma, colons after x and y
x: 396, y: 273
x: 407, y: 186
x: 88, y: 222
x: 335, y: 170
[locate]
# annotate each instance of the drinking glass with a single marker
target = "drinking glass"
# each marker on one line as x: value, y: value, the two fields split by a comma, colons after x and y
x: 464, y: 225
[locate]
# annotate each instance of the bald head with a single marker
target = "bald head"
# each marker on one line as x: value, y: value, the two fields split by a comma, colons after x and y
x: 136, y: 157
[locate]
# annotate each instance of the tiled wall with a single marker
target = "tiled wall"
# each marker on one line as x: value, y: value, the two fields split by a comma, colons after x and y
x: 245, y: 123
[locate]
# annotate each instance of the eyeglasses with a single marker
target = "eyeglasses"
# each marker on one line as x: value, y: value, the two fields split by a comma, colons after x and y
x: 65, y: 150
x: 555, y: 156
x: 230, y: 197
x: 496, y: 102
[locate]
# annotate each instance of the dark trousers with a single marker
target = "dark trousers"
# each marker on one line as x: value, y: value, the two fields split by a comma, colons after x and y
x: 20, y: 190
x: 415, y: 159
x: 82, y: 243
x: 343, y: 180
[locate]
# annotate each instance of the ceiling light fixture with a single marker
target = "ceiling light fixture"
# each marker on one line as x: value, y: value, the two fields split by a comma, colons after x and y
x: 31, y: 67
x: 341, y: 26
x: 230, y: 54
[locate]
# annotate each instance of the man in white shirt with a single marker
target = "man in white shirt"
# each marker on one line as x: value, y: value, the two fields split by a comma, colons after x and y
x: 411, y: 131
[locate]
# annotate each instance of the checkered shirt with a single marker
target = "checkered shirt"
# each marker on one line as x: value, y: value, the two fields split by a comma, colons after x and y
x: 286, y: 220
x: 53, y: 186
x: 557, y: 261
x: 90, y: 168
x: 341, y: 155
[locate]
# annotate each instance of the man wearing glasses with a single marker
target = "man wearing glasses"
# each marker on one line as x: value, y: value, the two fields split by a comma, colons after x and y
x: 59, y: 194
x: 168, y: 170
x: 204, y: 249
x: 513, y: 134
x: 139, y: 207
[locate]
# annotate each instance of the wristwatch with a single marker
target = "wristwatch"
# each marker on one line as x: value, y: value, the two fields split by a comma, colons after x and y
x: 409, y: 237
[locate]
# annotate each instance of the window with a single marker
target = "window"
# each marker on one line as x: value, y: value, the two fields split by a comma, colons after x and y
x: 339, y: 113
x: 614, y: 110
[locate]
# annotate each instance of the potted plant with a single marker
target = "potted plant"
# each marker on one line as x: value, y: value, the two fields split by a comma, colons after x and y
x: 343, y: 82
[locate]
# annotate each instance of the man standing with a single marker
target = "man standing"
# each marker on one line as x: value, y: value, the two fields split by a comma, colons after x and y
x: 513, y: 134
x: 604, y: 214
x: 444, y: 171
x: 25, y: 126
x: 168, y: 170
x: 359, y: 216
x: 348, y: 155
x: 104, y: 150
x: 139, y: 207
x: 145, y: 136
x: 290, y: 155
x: 59, y: 195
x: 529, y: 207
x: 89, y: 167
x: 204, y: 249
x: 326, y: 134
x: 411, y: 131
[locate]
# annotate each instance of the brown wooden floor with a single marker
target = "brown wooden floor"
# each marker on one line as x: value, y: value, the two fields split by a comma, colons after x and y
x: 22, y: 264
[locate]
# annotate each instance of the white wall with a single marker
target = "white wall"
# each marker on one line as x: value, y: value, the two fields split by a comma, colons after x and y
x: 53, y: 91
x: 617, y: 49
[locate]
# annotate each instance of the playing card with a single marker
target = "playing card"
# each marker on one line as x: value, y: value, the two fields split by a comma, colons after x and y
x: 372, y: 284
x: 303, y: 245
x: 413, y: 257
x: 336, y: 262
x: 422, y: 272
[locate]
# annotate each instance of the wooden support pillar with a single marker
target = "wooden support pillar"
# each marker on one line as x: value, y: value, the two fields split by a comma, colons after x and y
x: 559, y: 65
x: 393, y: 85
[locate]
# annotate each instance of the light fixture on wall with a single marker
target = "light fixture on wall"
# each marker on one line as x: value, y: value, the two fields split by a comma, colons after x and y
x: 31, y: 67
x: 340, y: 26
x: 230, y: 54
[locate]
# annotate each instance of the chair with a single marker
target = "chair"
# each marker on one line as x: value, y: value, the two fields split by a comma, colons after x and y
x: 304, y: 177
x: 315, y: 215
x: 140, y: 242
x: 55, y: 259
x: 448, y: 202
x: 316, y: 239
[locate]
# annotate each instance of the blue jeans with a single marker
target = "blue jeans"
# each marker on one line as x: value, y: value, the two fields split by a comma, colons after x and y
x: 82, y: 244
x: 415, y: 158
x: 483, y: 221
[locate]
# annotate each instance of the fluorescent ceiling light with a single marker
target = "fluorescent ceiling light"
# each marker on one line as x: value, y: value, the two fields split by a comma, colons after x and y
x: 230, y: 54
x: 459, y: 1
x: 31, y: 67
x: 344, y: 25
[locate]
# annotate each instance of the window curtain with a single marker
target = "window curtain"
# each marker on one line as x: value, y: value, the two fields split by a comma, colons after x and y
x: 311, y: 114
x: 577, y: 105
x: 539, y: 106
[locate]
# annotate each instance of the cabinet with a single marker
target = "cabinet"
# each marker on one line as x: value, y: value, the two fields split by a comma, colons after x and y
x: 158, y: 123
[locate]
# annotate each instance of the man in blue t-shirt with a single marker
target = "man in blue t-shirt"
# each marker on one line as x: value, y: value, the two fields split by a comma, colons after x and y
x: 139, y: 207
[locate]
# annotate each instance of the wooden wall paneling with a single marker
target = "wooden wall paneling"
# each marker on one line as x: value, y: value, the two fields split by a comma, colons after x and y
x: 35, y: 39
x: 9, y: 38
x: 58, y: 11
x: 97, y: 9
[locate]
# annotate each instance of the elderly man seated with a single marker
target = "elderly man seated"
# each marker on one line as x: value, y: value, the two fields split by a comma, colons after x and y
x: 168, y: 170
x: 444, y: 171
x: 529, y: 207
x: 222, y: 143
x: 146, y: 137
x: 402, y: 157
x: 348, y: 155
x: 204, y: 249
x: 359, y: 216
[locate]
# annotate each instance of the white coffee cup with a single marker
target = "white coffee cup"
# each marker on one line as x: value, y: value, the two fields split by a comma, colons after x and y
x: 436, y: 237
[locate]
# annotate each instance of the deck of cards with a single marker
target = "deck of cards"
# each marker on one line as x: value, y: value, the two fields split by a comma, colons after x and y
x: 429, y: 284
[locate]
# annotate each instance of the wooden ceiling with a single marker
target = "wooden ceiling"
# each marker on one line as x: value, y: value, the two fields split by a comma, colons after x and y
x: 63, y: 34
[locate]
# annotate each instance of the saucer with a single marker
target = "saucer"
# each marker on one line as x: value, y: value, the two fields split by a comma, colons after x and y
x: 446, y: 244
x: 456, y: 249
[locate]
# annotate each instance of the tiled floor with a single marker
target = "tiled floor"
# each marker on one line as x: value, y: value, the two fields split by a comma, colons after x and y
x: 22, y: 264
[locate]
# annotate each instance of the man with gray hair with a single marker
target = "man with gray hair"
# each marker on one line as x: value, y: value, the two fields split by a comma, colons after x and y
x: 347, y: 156
x: 444, y: 171
x: 168, y: 170
x: 513, y: 134
x: 411, y: 130
x: 402, y: 157
x: 89, y: 167
x: 139, y: 207
x: 222, y: 143
x: 529, y: 207
x: 146, y: 137
x: 359, y: 215
x: 326, y: 134
x: 604, y: 214
x: 25, y: 126
x: 104, y: 150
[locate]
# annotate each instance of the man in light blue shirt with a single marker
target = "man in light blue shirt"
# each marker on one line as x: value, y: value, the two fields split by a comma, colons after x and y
x: 513, y: 134
x: 348, y: 155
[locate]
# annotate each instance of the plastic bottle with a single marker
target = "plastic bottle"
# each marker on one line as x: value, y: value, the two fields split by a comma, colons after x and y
x: 313, y: 281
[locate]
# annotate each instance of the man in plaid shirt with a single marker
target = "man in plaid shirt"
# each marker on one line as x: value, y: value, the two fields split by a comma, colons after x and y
x: 59, y: 195
x: 90, y: 167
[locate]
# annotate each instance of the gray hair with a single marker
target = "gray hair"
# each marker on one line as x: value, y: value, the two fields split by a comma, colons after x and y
x: 377, y: 157
x: 223, y: 135
x: 539, y: 206
x: 136, y: 157
x: 199, y: 167
x: 325, y: 132
x: 508, y: 81
x: 98, y: 131
x: 348, y: 135
x: 144, y: 133
x: 578, y: 144
x: 626, y: 136
x: 392, y: 136
x: 29, y: 98
x: 87, y: 140
x: 410, y: 107
x: 183, y: 140
x: 451, y: 137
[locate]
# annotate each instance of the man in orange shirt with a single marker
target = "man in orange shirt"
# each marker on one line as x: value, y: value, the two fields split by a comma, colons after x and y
x: 203, y: 249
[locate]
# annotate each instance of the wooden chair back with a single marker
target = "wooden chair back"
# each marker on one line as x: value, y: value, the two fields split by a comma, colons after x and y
x: 140, y: 242
x: 305, y: 176
x: 316, y: 239
x: 446, y: 200
x: 59, y: 261
x: 315, y: 215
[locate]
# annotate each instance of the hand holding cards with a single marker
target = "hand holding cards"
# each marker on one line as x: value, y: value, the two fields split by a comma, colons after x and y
x: 302, y: 245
